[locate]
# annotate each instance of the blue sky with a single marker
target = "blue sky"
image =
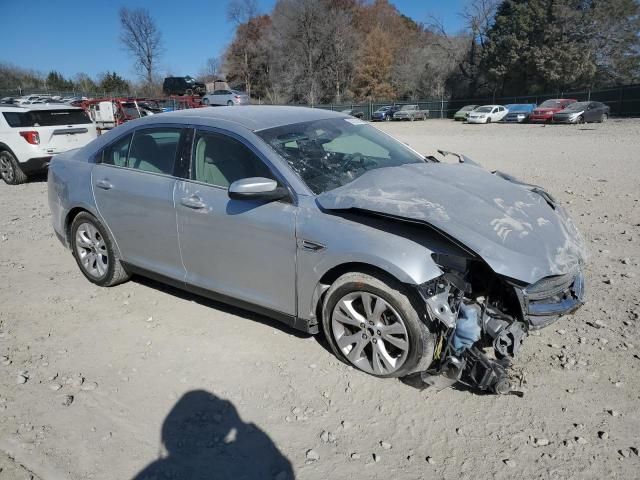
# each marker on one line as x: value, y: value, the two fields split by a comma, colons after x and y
x: 73, y: 36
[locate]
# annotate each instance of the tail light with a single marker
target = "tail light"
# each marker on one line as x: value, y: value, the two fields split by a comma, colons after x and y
x: 31, y: 137
x: 238, y: 97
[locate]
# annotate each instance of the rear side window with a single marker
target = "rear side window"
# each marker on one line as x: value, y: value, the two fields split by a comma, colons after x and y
x: 18, y: 119
x: 154, y: 150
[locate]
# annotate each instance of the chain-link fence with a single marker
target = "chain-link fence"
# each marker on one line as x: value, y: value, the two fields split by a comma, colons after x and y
x: 624, y: 101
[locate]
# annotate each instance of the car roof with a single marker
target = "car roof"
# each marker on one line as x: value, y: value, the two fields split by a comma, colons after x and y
x: 252, y: 117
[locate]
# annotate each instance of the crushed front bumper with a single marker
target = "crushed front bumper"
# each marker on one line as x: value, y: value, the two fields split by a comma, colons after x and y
x: 552, y: 297
x: 469, y: 325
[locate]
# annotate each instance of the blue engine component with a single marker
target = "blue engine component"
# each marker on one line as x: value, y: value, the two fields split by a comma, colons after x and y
x: 468, y: 329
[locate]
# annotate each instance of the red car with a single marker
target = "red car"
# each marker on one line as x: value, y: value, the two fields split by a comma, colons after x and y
x: 544, y: 112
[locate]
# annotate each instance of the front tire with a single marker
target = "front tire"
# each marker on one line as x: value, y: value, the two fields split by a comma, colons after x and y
x: 205, y: 101
x: 93, y: 249
x: 488, y: 120
x: 371, y: 323
x: 10, y: 170
x: 604, y: 118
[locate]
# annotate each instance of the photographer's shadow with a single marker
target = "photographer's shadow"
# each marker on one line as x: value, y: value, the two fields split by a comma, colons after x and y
x: 205, y: 439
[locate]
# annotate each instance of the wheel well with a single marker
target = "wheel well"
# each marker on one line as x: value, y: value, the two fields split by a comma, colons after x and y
x: 336, y: 272
x: 73, y: 213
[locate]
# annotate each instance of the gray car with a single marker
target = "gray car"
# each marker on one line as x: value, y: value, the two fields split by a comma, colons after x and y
x: 229, y: 98
x: 408, y: 265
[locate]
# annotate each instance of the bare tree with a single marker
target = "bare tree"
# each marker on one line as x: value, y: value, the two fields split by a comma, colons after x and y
x: 212, y: 70
x: 142, y: 39
x: 241, y: 11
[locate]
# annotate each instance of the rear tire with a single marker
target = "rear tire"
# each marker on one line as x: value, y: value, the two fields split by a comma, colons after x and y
x: 229, y: 103
x: 93, y: 249
x: 604, y: 118
x: 10, y: 170
x: 391, y: 340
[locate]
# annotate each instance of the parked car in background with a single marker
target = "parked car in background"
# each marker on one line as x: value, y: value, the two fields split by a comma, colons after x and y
x: 384, y: 114
x: 183, y: 86
x: 583, y: 112
x: 464, y: 112
x: 229, y: 98
x: 30, y: 135
x: 328, y: 225
x: 7, y: 100
x: 518, y: 112
x: 353, y: 112
x: 487, y: 114
x: 543, y: 113
x: 108, y: 113
x: 411, y: 113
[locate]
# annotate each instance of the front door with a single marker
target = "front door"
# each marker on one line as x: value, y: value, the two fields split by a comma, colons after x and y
x: 133, y: 187
x: 245, y: 249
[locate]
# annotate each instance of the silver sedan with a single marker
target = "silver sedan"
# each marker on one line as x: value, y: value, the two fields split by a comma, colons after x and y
x: 407, y: 264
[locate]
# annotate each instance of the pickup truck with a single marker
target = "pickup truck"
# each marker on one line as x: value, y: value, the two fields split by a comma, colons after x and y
x: 411, y: 113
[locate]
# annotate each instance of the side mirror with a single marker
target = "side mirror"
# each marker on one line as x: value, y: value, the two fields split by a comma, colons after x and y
x: 256, y: 188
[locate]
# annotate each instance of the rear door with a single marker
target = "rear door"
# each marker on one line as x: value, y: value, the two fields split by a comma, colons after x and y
x: 133, y: 187
x: 244, y: 249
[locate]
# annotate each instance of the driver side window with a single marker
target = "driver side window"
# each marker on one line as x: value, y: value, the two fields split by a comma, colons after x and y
x: 220, y: 160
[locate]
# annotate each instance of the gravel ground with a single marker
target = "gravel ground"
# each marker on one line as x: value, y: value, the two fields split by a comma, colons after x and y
x: 145, y: 381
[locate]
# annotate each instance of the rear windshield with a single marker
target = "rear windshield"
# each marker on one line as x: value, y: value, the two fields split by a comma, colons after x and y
x: 46, y: 118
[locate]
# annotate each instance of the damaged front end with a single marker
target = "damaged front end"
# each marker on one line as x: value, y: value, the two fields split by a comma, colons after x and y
x: 481, y: 320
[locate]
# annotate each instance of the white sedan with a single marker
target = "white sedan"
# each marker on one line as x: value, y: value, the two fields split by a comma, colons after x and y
x: 487, y: 114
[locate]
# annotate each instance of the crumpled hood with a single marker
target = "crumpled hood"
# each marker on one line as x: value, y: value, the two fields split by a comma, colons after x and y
x: 513, y: 229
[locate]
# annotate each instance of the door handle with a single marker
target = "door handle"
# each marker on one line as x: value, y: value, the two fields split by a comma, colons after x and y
x: 193, y: 202
x: 104, y: 184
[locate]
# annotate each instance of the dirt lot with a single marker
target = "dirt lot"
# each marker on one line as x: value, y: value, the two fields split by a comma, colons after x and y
x: 144, y: 377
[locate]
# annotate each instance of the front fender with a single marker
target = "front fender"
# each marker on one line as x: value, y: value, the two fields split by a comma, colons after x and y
x: 385, y: 245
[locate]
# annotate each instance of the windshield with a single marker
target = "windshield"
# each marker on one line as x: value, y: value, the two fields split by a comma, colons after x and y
x: 551, y: 104
x: 383, y: 109
x: 327, y: 154
x: 468, y: 108
x: 577, y: 106
x: 130, y: 110
x: 484, y: 109
x: 518, y: 107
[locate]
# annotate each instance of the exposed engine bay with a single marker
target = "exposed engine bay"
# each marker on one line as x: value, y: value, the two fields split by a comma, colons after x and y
x: 475, y: 311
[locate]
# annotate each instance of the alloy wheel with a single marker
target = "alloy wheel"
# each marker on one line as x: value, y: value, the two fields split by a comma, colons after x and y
x: 6, y: 169
x: 91, y: 249
x: 370, y: 333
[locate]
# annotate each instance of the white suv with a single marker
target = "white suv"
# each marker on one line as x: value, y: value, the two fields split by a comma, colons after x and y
x: 30, y: 135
